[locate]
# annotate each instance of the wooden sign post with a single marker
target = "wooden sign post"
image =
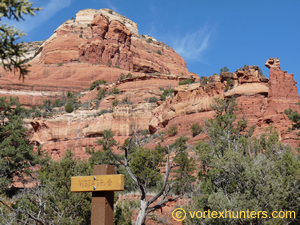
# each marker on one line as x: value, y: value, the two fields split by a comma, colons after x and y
x: 103, y: 183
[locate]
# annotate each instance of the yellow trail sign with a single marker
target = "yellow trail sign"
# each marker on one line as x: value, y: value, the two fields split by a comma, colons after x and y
x: 97, y: 183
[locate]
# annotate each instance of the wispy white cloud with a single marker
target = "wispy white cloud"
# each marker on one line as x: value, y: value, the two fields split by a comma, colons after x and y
x: 49, y: 10
x: 111, y: 6
x: 193, y: 45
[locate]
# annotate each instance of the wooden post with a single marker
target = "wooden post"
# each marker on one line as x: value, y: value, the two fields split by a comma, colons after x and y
x: 103, y: 201
x: 102, y: 184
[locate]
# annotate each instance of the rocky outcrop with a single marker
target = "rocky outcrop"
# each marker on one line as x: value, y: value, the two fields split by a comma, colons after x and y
x: 98, y: 44
x: 261, y: 102
x: 248, y: 89
x: 110, y: 44
x: 272, y: 62
x: 283, y: 94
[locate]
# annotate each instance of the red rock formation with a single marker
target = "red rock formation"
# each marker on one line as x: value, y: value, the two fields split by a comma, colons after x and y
x: 87, y: 49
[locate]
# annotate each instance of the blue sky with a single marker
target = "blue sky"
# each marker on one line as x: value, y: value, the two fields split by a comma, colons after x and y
x: 207, y: 34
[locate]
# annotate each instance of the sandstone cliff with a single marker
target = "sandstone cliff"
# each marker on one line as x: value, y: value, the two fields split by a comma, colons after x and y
x: 98, y: 44
x: 101, y: 44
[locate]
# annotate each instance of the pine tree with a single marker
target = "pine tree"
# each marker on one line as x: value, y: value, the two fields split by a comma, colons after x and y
x: 241, y: 172
x: 10, y: 51
x: 16, y: 154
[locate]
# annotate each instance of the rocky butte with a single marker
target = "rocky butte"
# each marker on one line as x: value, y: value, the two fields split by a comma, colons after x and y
x: 103, y: 45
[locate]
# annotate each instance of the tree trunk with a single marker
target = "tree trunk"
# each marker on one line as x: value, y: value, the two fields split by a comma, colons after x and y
x: 140, y: 220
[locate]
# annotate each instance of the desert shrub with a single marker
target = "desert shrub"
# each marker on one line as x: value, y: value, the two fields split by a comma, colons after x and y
x: 89, y: 25
x: 143, y: 36
x: 226, y: 88
x: 101, y: 93
x: 149, y: 40
x: 110, y: 11
x: 173, y: 130
x: 166, y: 93
x: 80, y: 35
x: 229, y: 82
x: 122, y: 76
x: 224, y: 69
x: 186, y: 81
x: 96, y: 83
x: 46, y: 114
x: 115, y: 91
x: 69, y: 107
x: 57, y: 103
x: 115, y: 102
x: 204, y: 80
x: 145, y: 132
x: 60, y: 64
x: 153, y: 99
x: 125, y: 100
x: 159, y: 52
x: 196, y: 129
x: 47, y: 105
x: 72, y: 99
x: 129, y: 75
x: 37, y: 113
x: 122, y: 214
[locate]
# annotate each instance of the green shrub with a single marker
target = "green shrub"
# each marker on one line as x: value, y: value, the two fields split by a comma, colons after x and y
x: 129, y: 75
x: 108, y: 64
x: 101, y: 93
x: 122, y: 76
x: 143, y: 36
x: 115, y: 102
x: 80, y: 35
x: 166, y: 93
x: 37, y: 113
x: 89, y: 25
x: 103, y: 111
x: 60, y: 64
x: 229, y: 82
x: 69, y: 107
x: 186, y: 81
x: 145, y: 132
x: 47, y: 105
x: 96, y: 83
x: 149, y: 40
x: 173, y: 130
x: 110, y: 11
x: 57, y: 103
x: 122, y: 214
x: 153, y: 99
x: 115, y: 91
x: 224, y: 69
x: 161, y: 88
x: 125, y: 100
x: 196, y: 129
x: 159, y: 52
x: 204, y: 80
x: 226, y: 88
